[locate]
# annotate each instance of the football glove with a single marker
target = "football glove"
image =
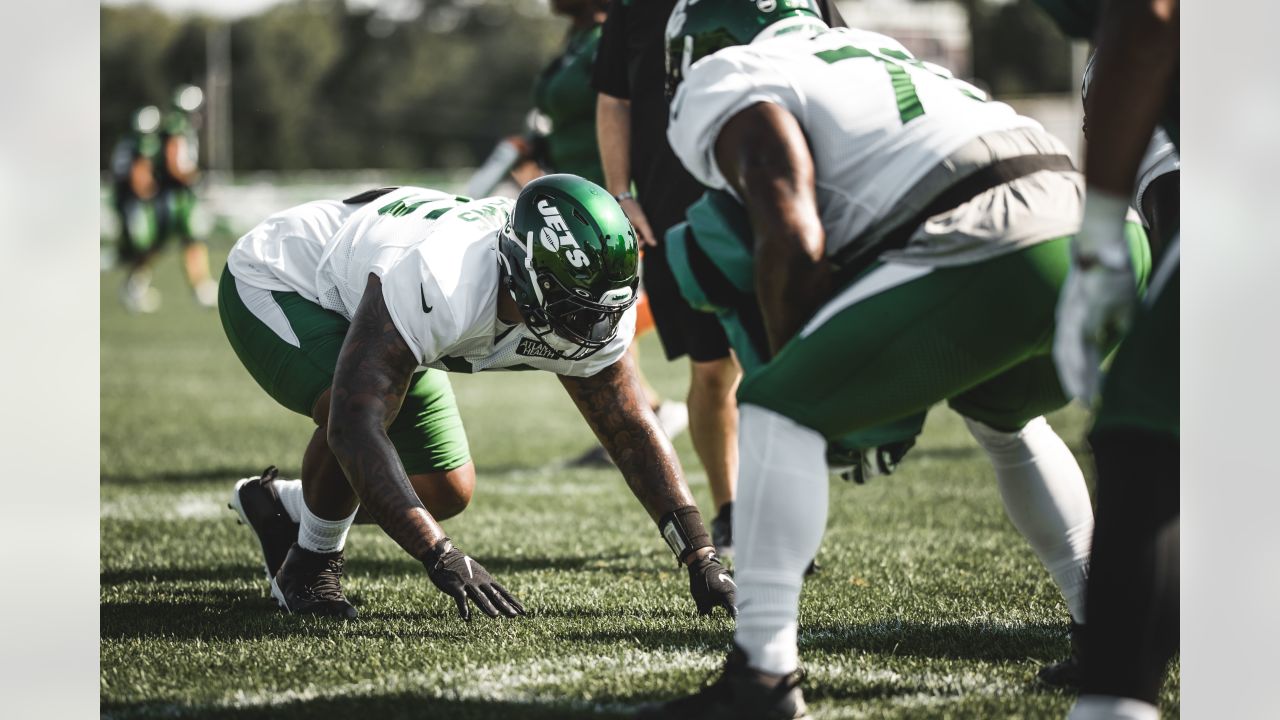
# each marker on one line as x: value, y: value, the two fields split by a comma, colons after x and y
x: 857, y: 465
x: 1099, y: 297
x: 712, y: 586
x: 462, y: 578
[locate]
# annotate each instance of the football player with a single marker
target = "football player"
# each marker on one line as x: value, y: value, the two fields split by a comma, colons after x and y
x: 155, y: 198
x: 351, y: 312
x: 1133, y: 587
x: 910, y: 239
x: 1155, y: 200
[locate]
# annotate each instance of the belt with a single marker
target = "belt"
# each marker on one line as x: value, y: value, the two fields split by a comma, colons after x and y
x: 858, y: 257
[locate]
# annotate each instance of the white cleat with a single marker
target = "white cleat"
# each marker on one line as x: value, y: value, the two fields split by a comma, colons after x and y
x: 673, y: 416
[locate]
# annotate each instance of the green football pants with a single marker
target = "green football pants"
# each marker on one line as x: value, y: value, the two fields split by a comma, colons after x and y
x: 901, y: 338
x: 290, y: 346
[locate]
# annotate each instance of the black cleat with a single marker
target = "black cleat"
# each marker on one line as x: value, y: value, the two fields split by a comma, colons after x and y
x: 722, y: 531
x: 258, y: 504
x: 310, y: 583
x: 1064, y: 674
x: 739, y: 694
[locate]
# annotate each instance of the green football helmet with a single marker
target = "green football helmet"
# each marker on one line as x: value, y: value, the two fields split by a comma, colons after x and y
x: 146, y: 120
x: 570, y: 261
x: 698, y: 28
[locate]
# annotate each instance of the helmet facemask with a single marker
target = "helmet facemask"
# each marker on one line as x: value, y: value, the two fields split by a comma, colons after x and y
x: 571, y: 323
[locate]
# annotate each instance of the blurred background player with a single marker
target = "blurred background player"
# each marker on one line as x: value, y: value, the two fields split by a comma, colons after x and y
x: 1156, y: 201
x: 631, y: 121
x: 164, y: 151
x: 1133, y: 585
x: 133, y: 192
x: 562, y: 139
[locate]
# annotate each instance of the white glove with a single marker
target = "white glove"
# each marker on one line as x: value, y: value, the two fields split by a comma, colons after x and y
x: 1097, y: 302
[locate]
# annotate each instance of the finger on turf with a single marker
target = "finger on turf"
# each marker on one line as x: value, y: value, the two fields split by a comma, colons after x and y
x: 730, y: 608
x: 481, y: 601
x: 511, y: 599
x: 461, y: 599
x: 498, y: 601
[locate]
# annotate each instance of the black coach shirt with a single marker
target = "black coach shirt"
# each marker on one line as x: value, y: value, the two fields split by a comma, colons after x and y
x: 630, y: 64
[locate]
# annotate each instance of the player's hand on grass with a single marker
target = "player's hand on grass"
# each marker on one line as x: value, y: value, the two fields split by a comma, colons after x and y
x: 712, y: 586
x: 463, y: 579
x: 1099, y: 297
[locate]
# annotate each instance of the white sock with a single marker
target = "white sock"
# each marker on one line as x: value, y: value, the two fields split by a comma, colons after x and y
x: 323, y: 536
x: 1045, y: 496
x: 778, y: 519
x: 290, y: 492
x: 1107, y: 707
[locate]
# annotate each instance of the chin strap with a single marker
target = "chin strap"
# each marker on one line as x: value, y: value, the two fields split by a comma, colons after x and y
x: 684, y: 532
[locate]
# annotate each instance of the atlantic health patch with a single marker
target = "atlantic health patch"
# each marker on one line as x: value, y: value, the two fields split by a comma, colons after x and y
x: 530, y: 347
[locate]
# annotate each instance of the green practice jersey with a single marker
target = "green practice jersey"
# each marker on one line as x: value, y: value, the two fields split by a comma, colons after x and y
x: 563, y: 95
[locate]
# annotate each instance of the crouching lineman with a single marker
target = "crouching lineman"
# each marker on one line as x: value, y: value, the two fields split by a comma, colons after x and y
x: 910, y: 239
x: 350, y: 311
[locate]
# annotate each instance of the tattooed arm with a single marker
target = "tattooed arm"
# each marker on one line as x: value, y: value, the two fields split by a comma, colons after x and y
x: 373, y: 374
x: 614, y: 405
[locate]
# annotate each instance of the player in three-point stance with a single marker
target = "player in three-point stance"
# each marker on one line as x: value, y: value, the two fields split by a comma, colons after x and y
x: 910, y: 240
x: 351, y: 312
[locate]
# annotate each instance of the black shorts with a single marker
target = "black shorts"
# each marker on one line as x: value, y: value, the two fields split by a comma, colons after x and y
x: 682, y: 330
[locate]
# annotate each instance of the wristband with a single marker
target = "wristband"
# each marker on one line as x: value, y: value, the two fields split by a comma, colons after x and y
x: 683, y: 530
x: 437, y: 551
x: 624, y: 195
x: 1102, y: 230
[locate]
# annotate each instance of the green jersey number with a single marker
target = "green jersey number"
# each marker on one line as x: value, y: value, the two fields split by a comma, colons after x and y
x: 405, y: 206
x: 896, y: 63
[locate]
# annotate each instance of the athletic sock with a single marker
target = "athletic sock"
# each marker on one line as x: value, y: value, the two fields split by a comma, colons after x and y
x: 1045, y: 496
x: 323, y: 536
x: 1107, y: 707
x: 779, y: 516
x: 290, y: 492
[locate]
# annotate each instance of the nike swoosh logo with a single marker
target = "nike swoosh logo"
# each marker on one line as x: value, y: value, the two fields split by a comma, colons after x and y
x: 726, y: 578
x: 425, y: 307
x: 467, y: 560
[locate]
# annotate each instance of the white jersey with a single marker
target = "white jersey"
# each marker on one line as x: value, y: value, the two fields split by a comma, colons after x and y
x: 436, y: 256
x: 877, y: 120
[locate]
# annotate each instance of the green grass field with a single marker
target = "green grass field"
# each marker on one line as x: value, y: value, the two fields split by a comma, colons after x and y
x: 929, y: 603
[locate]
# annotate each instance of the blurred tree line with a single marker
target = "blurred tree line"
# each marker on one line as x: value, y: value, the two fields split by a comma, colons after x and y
x: 321, y: 84
x: 330, y: 84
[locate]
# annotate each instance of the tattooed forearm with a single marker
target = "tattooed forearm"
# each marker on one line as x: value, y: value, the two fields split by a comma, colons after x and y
x: 613, y: 404
x: 373, y: 374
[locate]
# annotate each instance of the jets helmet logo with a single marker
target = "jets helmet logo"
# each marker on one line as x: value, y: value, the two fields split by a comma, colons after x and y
x: 556, y: 235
